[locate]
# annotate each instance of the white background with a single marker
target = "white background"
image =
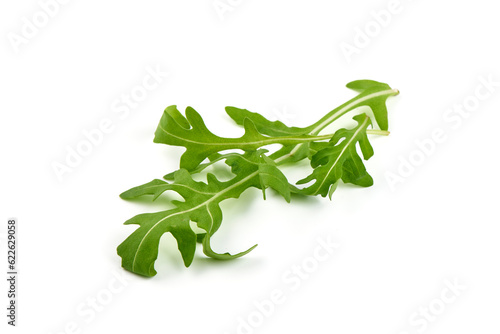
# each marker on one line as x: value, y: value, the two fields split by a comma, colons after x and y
x: 398, y: 246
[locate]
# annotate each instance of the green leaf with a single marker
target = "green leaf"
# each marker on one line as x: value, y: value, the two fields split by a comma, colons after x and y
x: 334, y: 159
x: 201, y: 205
x: 263, y: 125
x: 191, y: 132
x: 372, y: 94
x: 200, y: 143
x: 340, y: 160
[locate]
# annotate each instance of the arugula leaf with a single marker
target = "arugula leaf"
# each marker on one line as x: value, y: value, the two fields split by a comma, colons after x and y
x: 140, y: 250
x: 373, y: 94
x: 340, y: 160
x: 191, y: 132
x: 333, y: 157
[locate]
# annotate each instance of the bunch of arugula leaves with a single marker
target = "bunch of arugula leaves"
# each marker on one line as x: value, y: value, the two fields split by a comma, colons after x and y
x: 334, y: 158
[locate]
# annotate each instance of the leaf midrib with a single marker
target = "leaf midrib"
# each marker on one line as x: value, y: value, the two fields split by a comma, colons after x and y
x: 267, y: 141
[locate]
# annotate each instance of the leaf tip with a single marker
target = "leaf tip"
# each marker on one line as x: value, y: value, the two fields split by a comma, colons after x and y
x: 125, y: 195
